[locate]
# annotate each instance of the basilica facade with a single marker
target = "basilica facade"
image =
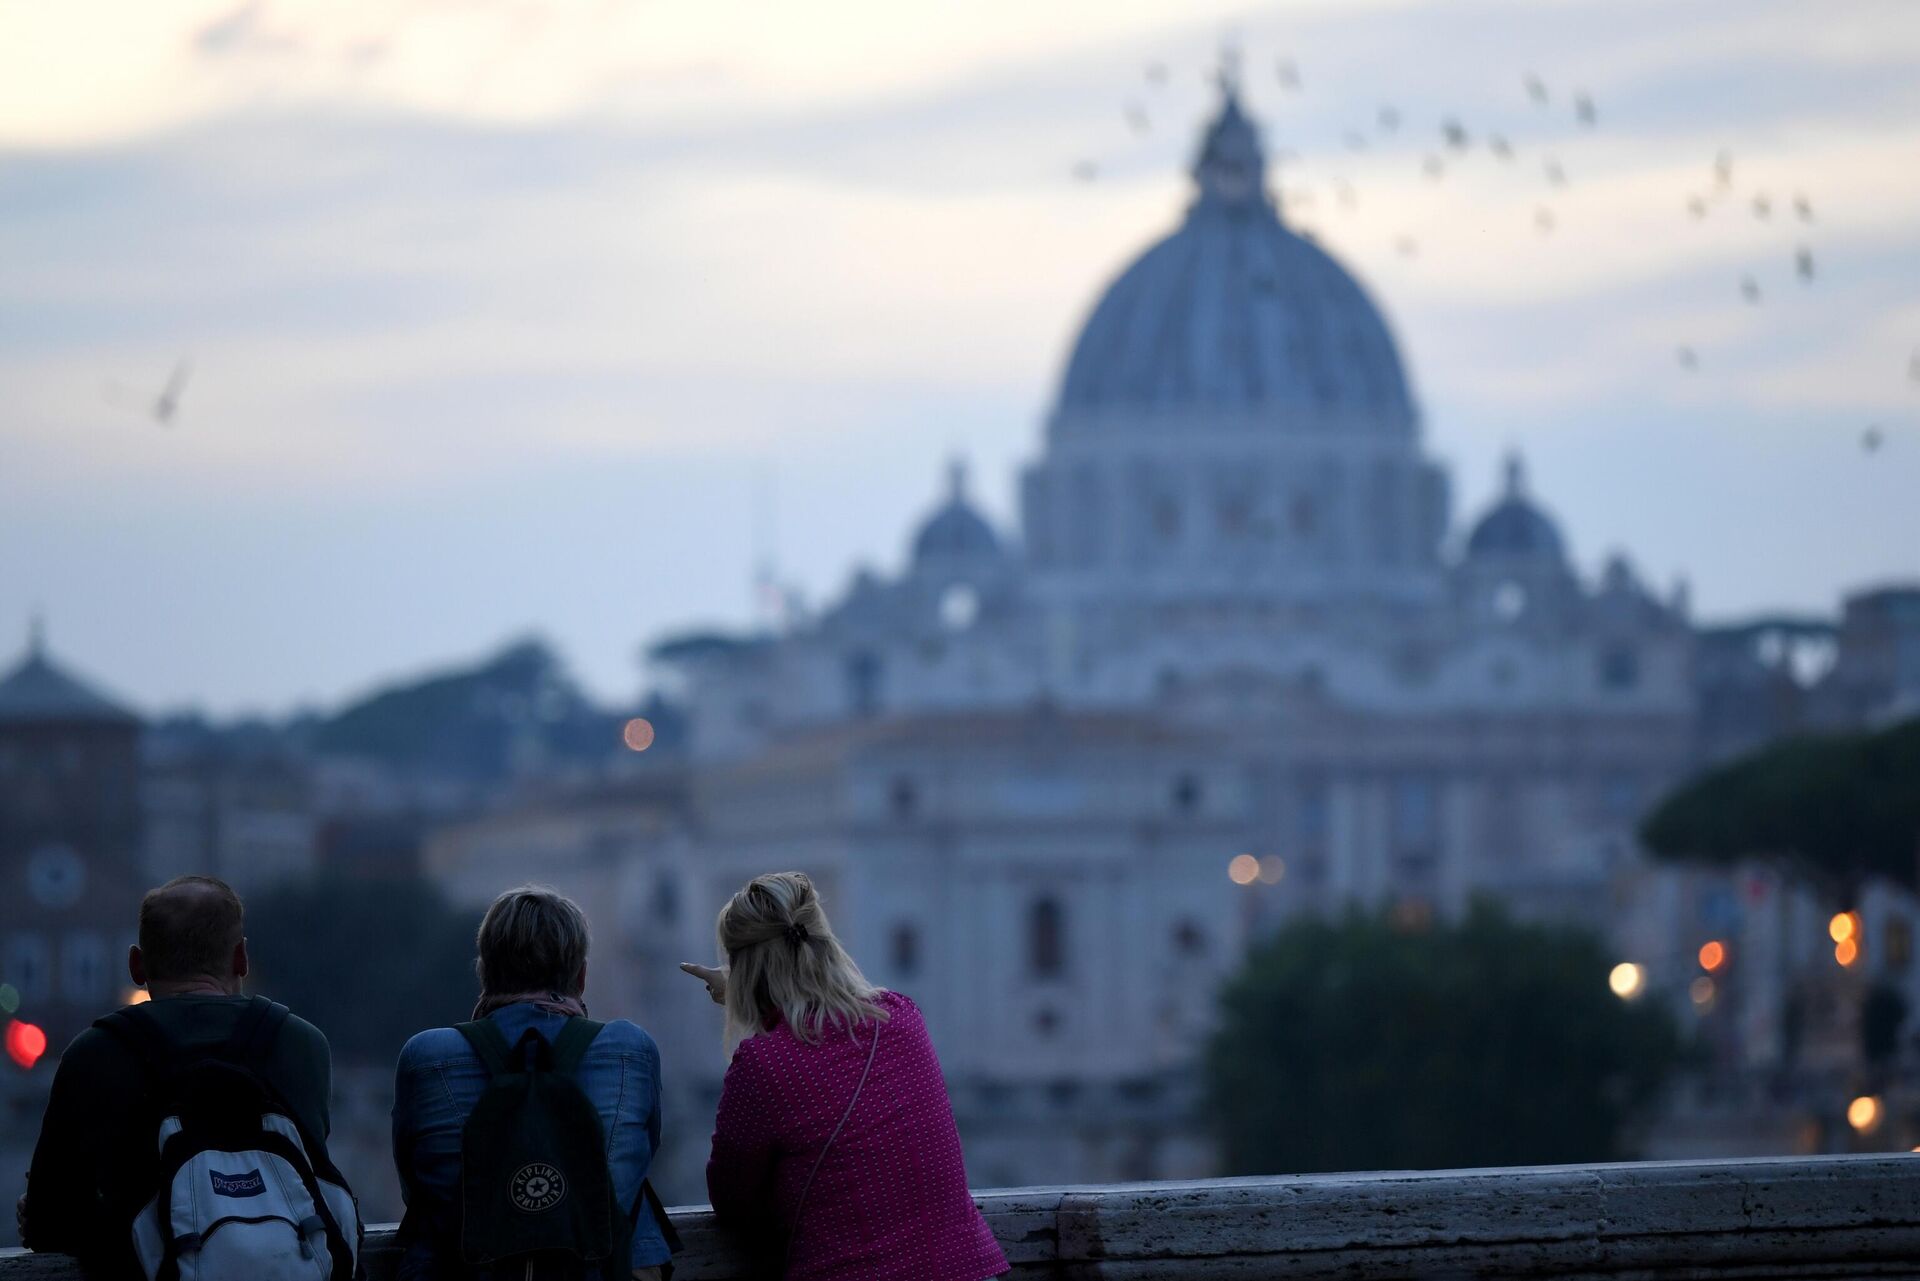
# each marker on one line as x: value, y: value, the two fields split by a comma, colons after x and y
x: 1239, y: 661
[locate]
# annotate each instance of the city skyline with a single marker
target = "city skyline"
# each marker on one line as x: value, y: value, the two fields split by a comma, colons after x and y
x: 478, y: 356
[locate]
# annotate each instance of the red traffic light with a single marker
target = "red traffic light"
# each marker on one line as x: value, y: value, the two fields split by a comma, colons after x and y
x: 25, y: 1043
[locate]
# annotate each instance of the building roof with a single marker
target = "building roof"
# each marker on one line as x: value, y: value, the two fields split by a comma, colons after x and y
x: 1514, y: 528
x: 38, y: 690
x: 1236, y: 311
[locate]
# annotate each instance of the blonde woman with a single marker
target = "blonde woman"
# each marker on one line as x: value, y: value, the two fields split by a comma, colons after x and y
x: 835, y: 1140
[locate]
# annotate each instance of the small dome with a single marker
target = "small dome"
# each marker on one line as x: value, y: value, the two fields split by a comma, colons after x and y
x: 956, y: 532
x: 1514, y: 528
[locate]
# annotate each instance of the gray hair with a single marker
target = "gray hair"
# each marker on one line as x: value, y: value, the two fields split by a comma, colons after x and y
x: 532, y: 939
x: 783, y: 960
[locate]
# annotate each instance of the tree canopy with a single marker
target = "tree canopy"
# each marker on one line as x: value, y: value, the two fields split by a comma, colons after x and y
x: 367, y: 963
x: 1354, y: 1044
x: 1840, y: 808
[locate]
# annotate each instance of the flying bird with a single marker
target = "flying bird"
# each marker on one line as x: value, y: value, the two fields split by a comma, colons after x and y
x: 1543, y: 219
x: 1583, y: 108
x: 1688, y: 358
x: 1137, y: 118
x: 1803, y: 207
x: 1555, y: 174
x: 1456, y: 134
x: 1500, y: 147
x: 1697, y: 206
x: 168, y: 403
x: 1086, y: 171
x: 1750, y: 289
x: 1434, y: 168
x: 1389, y: 119
x: 1803, y: 264
x: 1762, y: 206
x: 1872, y: 438
x: 1537, y: 90
x: 1356, y: 141
x: 163, y: 407
x: 1723, y: 169
x: 1288, y: 74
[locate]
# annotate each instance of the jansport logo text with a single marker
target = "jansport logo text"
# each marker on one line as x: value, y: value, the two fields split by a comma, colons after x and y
x: 248, y: 1184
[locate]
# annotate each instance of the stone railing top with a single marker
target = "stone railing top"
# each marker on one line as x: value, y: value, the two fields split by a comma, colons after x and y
x: 1785, y: 1217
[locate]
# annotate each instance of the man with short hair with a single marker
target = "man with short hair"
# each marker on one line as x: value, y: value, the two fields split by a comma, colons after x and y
x: 97, y: 1162
x: 532, y: 964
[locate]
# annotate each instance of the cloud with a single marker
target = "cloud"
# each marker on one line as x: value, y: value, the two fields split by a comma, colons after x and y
x: 457, y: 275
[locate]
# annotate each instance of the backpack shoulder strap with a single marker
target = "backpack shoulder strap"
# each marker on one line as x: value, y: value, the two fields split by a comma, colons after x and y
x: 254, y: 1034
x: 485, y: 1037
x: 650, y: 1201
x: 571, y: 1045
x: 140, y: 1035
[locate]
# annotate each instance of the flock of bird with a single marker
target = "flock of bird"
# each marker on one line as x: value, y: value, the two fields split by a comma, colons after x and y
x: 1454, y: 142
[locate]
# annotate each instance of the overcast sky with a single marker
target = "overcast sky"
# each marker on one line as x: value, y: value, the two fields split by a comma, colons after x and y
x: 511, y: 317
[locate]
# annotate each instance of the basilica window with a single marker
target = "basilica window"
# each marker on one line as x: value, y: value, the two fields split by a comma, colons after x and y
x: 1046, y: 939
x: 903, y: 949
x: 1310, y: 813
x: 863, y: 677
x: 1166, y: 519
x: 83, y: 965
x: 26, y: 966
x: 1187, y: 795
x: 1619, y: 667
x: 1302, y: 516
x: 1509, y: 601
x: 903, y: 798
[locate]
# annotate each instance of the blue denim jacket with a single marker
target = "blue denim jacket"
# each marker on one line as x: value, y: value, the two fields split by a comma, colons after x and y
x: 440, y: 1079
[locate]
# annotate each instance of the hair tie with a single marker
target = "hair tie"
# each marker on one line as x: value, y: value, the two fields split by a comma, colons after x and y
x: 796, y: 934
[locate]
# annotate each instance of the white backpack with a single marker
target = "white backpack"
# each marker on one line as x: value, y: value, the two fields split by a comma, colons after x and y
x: 241, y: 1197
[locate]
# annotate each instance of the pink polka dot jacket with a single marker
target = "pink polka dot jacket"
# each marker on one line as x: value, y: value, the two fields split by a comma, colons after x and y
x: 890, y: 1202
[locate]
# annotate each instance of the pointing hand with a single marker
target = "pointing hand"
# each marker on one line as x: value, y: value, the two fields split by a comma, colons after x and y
x: 716, y: 980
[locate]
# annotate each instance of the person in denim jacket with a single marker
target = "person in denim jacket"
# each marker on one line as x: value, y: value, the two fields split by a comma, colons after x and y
x: 533, y: 974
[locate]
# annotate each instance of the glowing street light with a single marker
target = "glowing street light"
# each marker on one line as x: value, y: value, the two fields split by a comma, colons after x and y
x: 1701, y: 992
x: 1272, y: 868
x: 25, y: 1043
x: 1863, y: 1114
x: 1627, y: 980
x: 1713, y: 955
x: 1846, y: 951
x: 1843, y: 926
x: 638, y: 734
x: 1244, y: 870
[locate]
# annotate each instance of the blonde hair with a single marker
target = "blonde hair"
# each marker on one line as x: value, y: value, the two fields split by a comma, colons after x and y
x: 782, y: 959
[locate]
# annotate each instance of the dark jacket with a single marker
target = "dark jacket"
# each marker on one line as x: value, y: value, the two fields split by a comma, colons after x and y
x: 96, y: 1162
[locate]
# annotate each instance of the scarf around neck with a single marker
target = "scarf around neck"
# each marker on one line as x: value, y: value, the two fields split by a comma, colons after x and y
x: 545, y: 1002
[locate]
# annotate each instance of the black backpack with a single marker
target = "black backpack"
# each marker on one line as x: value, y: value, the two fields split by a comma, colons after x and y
x: 536, y: 1196
x: 243, y: 1194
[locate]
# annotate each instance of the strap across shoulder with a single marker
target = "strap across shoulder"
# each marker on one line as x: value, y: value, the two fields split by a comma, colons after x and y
x: 485, y: 1037
x: 571, y: 1045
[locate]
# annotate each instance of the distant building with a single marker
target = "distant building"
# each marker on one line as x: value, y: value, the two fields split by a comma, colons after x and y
x: 1239, y: 619
x: 70, y: 844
